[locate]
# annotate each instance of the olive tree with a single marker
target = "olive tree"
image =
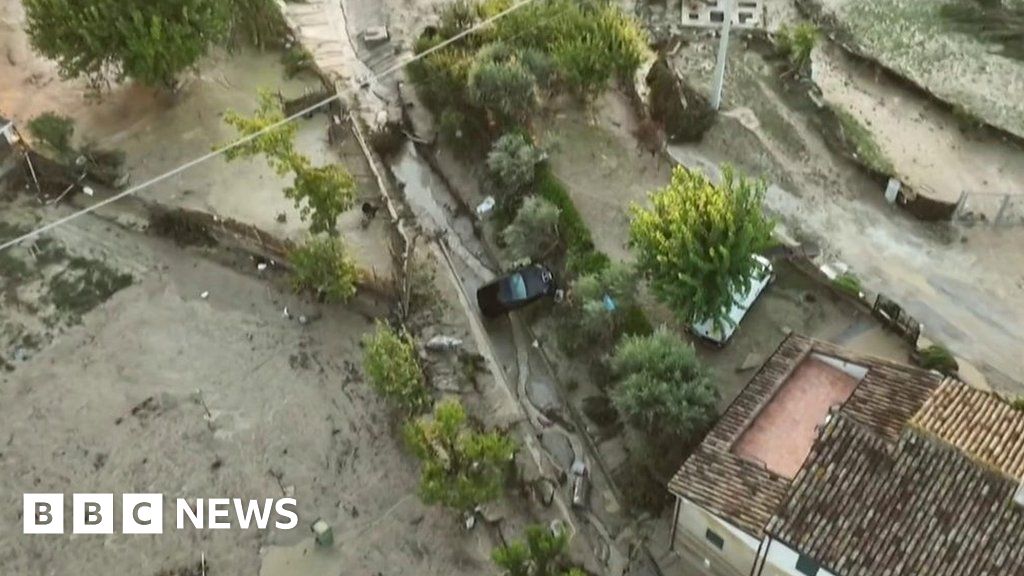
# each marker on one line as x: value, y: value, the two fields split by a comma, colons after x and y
x: 461, y: 467
x: 661, y: 386
x: 533, y: 233
x: 513, y: 161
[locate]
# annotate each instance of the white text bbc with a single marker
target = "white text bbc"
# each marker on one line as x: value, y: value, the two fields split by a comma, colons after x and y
x: 144, y: 513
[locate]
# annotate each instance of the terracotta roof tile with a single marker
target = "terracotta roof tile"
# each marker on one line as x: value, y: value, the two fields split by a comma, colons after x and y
x: 862, y: 506
x: 979, y: 423
x: 746, y: 493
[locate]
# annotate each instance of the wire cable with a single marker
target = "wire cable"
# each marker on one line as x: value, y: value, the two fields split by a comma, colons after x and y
x: 250, y: 137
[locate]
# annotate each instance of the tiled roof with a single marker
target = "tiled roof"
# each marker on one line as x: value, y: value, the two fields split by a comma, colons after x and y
x: 979, y: 423
x: 862, y: 506
x: 746, y: 493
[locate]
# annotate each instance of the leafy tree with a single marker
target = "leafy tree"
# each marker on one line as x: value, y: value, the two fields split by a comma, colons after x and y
x: 695, y: 244
x: 461, y: 466
x: 323, y: 266
x: 602, y: 305
x: 796, y: 44
x: 533, y: 233
x: 542, y: 553
x: 390, y: 363
x: 151, y: 41
x: 512, y: 161
x: 53, y: 130
x: 321, y: 193
x: 506, y: 88
x: 661, y: 386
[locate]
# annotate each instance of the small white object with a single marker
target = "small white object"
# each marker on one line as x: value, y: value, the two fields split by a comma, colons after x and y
x: 470, y: 521
x: 443, y: 343
x: 485, y: 207
x: 205, y: 294
x: 87, y: 190
x: 892, y: 190
x: 285, y: 313
x: 303, y: 319
x: 261, y: 266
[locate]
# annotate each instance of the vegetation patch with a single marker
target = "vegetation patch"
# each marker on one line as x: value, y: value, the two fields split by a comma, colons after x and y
x: 83, y: 285
x: 862, y: 143
x: 936, y: 357
x: 323, y: 267
x: 998, y: 22
x: 394, y: 371
x: 848, y: 284
x: 184, y: 228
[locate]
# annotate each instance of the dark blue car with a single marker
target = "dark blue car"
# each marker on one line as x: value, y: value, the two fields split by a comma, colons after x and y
x: 515, y: 290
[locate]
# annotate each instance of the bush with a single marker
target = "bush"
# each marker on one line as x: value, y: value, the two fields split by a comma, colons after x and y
x: 505, y: 88
x: 512, y: 162
x: 462, y: 467
x: 53, y: 130
x: 796, y: 44
x: 684, y: 112
x: 389, y: 360
x: 936, y: 357
x: 661, y: 387
x: 603, y: 303
x: 1018, y: 404
x: 533, y: 234
x: 322, y: 266
x: 542, y: 553
x: 848, y: 283
x: 297, y: 60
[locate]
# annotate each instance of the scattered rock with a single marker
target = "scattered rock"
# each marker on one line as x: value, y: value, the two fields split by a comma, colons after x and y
x: 751, y: 361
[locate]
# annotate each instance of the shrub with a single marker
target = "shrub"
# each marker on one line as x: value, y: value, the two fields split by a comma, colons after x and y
x: 603, y: 303
x: 862, y: 143
x: 533, y: 234
x: 661, y: 387
x: 796, y: 44
x: 389, y: 360
x: 53, y: 130
x: 542, y: 553
x: 512, y: 162
x: 322, y: 266
x: 462, y: 467
x: 848, y: 283
x: 505, y: 88
x: 936, y: 357
x: 1018, y: 403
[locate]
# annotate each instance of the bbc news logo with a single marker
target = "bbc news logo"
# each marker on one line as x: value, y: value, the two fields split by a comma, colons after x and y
x: 144, y: 513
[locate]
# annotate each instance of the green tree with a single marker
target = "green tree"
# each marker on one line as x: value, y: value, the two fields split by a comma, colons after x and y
x: 661, y: 386
x: 696, y: 242
x: 390, y: 362
x: 320, y: 193
x: 533, y: 233
x: 322, y: 266
x: 512, y: 162
x: 150, y: 41
x: 603, y: 307
x: 542, y: 553
x: 506, y: 88
x: 461, y: 467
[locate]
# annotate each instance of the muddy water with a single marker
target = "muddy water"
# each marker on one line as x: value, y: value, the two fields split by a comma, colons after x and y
x: 924, y: 143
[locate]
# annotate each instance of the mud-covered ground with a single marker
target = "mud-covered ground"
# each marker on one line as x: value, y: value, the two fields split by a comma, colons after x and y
x: 156, y: 388
x: 910, y: 37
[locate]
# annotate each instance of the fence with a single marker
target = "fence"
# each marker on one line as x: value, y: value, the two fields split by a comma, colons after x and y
x: 997, y: 209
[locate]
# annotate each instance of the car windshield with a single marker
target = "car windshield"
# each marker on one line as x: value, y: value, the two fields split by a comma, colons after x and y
x: 514, y: 289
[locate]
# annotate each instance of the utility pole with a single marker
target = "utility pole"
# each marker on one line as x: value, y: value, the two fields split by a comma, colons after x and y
x: 723, y: 49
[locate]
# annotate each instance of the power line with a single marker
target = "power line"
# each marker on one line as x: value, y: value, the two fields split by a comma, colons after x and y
x: 245, y: 139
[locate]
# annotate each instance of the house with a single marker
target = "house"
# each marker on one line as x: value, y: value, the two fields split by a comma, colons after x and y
x: 833, y: 463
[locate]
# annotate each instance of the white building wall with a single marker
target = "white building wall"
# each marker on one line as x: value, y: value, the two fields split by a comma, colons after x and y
x: 739, y: 549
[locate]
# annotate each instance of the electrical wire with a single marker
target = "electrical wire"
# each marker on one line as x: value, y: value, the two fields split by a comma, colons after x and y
x: 250, y: 137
